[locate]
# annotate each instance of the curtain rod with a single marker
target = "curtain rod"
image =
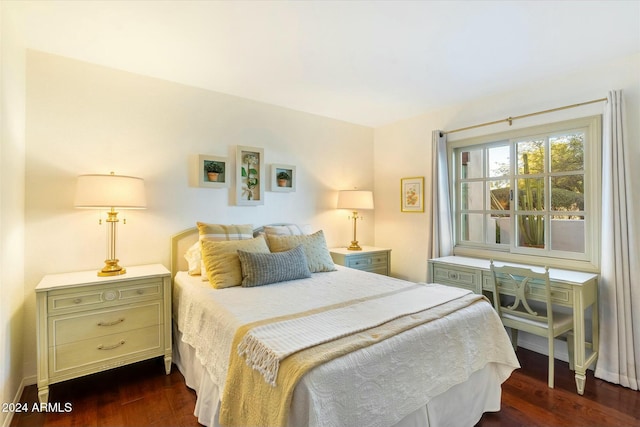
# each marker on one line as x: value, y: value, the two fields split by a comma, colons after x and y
x: 511, y: 119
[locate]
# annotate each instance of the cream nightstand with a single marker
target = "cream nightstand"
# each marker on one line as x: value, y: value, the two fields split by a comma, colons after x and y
x: 88, y: 324
x: 375, y: 260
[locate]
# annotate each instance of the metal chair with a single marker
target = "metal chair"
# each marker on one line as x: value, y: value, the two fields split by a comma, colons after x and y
x: 517, y: 313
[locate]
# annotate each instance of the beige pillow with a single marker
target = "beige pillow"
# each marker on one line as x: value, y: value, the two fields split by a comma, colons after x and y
x: 314, y: 245
x: 221, y: 259
x: 213, y: 232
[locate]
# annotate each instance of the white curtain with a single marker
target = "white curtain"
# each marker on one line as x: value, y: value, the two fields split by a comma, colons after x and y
x: 441, y: 227
x: 619, y: 350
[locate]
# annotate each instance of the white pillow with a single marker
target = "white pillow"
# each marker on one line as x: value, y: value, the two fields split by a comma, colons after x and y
x: 194, y: 259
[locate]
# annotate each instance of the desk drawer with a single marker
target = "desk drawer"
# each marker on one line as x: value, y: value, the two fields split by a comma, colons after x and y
x: 460, y: 277
x: 74, y: 327
x: 105, y: 349
x: 92, y: 297
x: 559, y: 295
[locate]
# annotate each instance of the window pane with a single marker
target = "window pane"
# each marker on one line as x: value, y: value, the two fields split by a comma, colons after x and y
x: 471, y: 163
x: 531, y: 230
x: 567, y: 233
x: 499, y: 161
x: 567, y: 152
x: 499, y: 195
x: 530, y: 156
x: 531, y: 194
x: 567, y: 193
x: 471, y: 196
x: 499, y: 229
x: 471, y: 227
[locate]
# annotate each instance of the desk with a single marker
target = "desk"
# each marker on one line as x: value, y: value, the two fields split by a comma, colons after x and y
x: 573, y: 289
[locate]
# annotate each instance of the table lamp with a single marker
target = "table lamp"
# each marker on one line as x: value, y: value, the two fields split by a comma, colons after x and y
x: 110, y: 192
x: 355, y: 200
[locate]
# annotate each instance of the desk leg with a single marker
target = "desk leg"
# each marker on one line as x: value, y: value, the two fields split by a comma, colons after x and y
x: 579, y: 340
x: 583, y: 297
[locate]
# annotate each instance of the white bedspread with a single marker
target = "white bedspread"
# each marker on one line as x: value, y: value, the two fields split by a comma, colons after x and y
x: 410, y: 368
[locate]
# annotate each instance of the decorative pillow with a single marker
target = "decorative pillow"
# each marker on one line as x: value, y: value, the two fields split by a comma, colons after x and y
x: 219, y: 232
x: 224, y: 232
x: 262, y: 269
x: 222, y: 262
x: 287, y: 230
x: 314, y: 245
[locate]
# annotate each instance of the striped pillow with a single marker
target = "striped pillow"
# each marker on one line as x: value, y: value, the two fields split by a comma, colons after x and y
x: 220, y: 232
x: 265, y: 268
x: 214, y: 232
x: 287, y: 230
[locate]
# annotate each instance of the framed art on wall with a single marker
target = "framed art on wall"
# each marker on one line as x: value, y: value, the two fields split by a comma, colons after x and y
x: 249, y: 176
x: 412, y: 194
x: 283, y: 178
x: 212, y: 171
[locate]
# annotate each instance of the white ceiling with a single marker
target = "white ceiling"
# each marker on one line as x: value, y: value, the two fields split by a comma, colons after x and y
x: 365, y: 62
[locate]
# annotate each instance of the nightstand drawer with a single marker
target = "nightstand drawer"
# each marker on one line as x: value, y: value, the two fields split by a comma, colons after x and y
x: 70, y: 328
x: 102, y: 350
x: 460, y: 277
x: 367, y: 261
x: 90, y: 298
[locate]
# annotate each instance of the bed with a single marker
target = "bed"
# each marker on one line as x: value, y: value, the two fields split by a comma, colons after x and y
x: 444, y: 366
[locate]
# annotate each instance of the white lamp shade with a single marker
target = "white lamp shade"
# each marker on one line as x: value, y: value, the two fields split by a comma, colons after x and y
x: 355, y: 199
x: 110, y: 191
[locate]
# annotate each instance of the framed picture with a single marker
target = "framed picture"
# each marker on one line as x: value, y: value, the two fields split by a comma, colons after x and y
x: 212, y: 171
x: 283, y: 178
x: 249, y: 176
x: 412, y: 194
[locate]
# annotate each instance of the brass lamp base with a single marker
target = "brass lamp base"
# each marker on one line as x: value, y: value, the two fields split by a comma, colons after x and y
x: 354, y: 246
x: 111, y: 268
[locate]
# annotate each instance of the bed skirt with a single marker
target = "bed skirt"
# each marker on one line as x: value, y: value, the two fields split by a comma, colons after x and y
x: 458, y: 406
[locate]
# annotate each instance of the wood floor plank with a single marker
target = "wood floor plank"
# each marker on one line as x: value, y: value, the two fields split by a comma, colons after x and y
x: 142, y: 395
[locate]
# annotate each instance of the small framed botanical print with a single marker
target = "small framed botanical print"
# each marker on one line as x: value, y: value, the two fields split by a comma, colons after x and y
x: 212, y: 171
x: 412, y: 194
x: 283, y: 178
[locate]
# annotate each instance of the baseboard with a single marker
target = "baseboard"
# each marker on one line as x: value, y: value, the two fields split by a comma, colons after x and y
x: 16, y: 399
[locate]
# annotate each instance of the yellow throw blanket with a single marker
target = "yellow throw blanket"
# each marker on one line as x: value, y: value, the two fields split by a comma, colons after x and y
x: 249, y: 401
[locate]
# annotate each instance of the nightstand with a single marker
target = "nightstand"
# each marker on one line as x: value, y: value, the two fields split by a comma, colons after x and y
x: 372, y: 259
x: 88, y: 324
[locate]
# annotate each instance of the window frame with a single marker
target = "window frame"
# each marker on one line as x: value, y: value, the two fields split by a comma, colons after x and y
x: 590, y: 259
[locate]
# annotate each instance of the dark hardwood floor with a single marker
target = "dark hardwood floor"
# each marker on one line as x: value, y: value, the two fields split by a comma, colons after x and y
x: 141, y: 395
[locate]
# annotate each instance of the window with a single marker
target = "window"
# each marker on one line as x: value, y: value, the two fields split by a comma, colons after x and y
x: 530, y: 192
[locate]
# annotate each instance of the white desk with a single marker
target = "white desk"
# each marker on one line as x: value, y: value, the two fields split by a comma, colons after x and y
x: 573, y: 289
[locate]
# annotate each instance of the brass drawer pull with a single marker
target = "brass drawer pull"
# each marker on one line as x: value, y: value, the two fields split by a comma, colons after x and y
x: 77, y: 300
x: 115, y: 322
x: 110, y: 347
x: 454, y: 276
x: 140, y: 292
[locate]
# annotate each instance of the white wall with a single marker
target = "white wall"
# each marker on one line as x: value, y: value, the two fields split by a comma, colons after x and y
x: 403, y: 149
x: 12, y: 136
x: 84, y: 118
